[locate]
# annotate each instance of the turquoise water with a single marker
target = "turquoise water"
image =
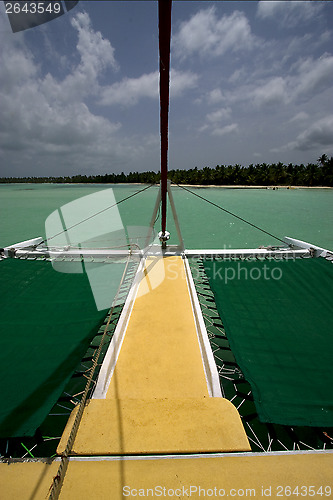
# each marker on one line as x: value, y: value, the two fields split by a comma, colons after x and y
x: 306, y: 214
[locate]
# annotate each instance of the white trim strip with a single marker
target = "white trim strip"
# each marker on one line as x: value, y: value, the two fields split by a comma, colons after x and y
x: 247, y: 252
x: 316, y: 251
x: 211, y: 373
x: 111, y: 458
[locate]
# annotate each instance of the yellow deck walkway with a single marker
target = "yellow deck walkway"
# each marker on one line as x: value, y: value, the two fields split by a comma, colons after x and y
x: 240, y: 476
x: 160, y: 357
x: 158, y: 400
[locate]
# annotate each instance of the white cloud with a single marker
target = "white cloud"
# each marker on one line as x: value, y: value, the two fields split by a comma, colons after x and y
x: 295, y: 45
x: 259, y: 93
x: 215, y: 96
x: 17, y: 62
x: 272, y: 92
x: 319, y: 135
x: 228, y: 129
x: 203, y: 128
x: 130, y: 90
x: 299, y: 117
x: 275, y: 93
x: 218, y: 115
x: 181, y: 81
x: 34, y: 120
x: 96, y: 52
x: 313, y: 76
x: 289, y: 13
x: 206, y: 34
x: 237, y: 75
x: 50, y: 119
x: 267, y: 9
x: 41, y: 115
x: 306, y: 79
x: 17, y: 67
x: 213, y: 121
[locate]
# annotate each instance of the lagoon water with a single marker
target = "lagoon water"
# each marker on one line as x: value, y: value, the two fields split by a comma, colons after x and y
x: 306, y: 214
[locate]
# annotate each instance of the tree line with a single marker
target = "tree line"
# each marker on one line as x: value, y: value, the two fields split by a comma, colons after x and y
x: 263, y: 174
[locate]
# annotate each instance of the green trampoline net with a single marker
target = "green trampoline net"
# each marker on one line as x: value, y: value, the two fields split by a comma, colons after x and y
x: 278, y: 316
x: 47, y: 321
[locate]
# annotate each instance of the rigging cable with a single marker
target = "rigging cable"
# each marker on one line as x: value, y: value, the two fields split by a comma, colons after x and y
x: 56, y: 484
x: 231, y: 213
x: 158, y: 214
x: 94, y: 215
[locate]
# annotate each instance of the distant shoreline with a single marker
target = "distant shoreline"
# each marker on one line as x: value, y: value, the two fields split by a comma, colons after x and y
x: 202, y: 186
x: 317, y: 175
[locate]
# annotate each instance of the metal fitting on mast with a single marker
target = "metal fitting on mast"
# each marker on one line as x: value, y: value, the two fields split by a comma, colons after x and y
x: 164, y: 237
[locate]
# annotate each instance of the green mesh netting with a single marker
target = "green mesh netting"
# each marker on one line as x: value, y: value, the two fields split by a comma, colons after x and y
x: 47, y: 320
x: 278, y: 316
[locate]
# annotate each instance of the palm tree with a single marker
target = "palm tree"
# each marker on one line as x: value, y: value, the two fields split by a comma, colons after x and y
x: 323, y: 160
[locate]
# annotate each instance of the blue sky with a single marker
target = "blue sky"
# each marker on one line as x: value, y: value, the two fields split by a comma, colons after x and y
x: 251, y: 82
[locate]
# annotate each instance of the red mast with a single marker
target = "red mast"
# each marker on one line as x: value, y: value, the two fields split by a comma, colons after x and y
x: 164, y: 24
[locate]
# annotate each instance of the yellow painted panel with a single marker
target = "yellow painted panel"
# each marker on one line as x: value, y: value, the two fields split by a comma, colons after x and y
x: 265, y: 475
x: 112, y: 427
x: 238, y: 477
x: 27, y: 480
x: 160, y: 356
